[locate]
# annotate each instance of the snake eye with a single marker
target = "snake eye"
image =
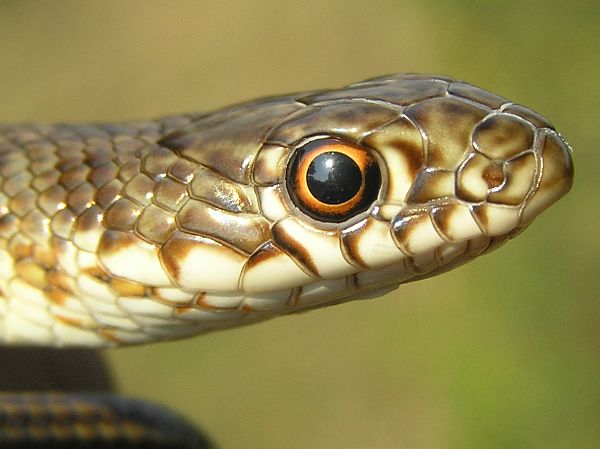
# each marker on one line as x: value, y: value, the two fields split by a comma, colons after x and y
x: 331, y: 180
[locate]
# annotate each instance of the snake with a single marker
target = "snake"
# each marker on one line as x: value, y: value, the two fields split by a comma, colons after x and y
x: 128, y: 233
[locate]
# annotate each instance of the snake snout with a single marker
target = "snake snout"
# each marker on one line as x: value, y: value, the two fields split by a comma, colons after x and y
x: 520, y: 164
x: 555, y: 176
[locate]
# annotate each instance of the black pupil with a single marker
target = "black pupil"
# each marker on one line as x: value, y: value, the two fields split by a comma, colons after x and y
x: 333, y: 178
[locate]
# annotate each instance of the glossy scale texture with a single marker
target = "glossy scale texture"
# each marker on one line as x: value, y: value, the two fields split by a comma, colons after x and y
x: 115, y: 234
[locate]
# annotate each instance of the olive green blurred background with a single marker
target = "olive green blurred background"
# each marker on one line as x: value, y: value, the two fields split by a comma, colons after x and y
x: 503, y: 353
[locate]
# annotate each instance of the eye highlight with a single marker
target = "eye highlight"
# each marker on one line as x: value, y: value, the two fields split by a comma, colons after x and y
x: 331, y: 180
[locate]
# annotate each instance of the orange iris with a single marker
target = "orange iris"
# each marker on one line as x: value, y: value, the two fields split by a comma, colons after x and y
x: 332, y: 180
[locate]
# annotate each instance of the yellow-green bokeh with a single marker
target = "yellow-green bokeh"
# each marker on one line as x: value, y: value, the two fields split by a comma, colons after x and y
x: 503, y: 353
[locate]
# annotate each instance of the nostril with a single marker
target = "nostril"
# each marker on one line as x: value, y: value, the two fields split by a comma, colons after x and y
x: 519, y: 176
x: 479, y: 176
x: 493, y: 175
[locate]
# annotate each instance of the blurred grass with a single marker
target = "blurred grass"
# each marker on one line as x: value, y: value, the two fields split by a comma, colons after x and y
x: 502, y: 353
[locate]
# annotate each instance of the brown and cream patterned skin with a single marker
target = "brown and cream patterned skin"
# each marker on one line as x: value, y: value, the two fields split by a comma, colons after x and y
x: 87, y: 420
x: 126, y: 233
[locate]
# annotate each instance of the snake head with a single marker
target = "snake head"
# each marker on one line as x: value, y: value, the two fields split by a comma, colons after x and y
x: 354, y: 191
x: 130, y: 232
